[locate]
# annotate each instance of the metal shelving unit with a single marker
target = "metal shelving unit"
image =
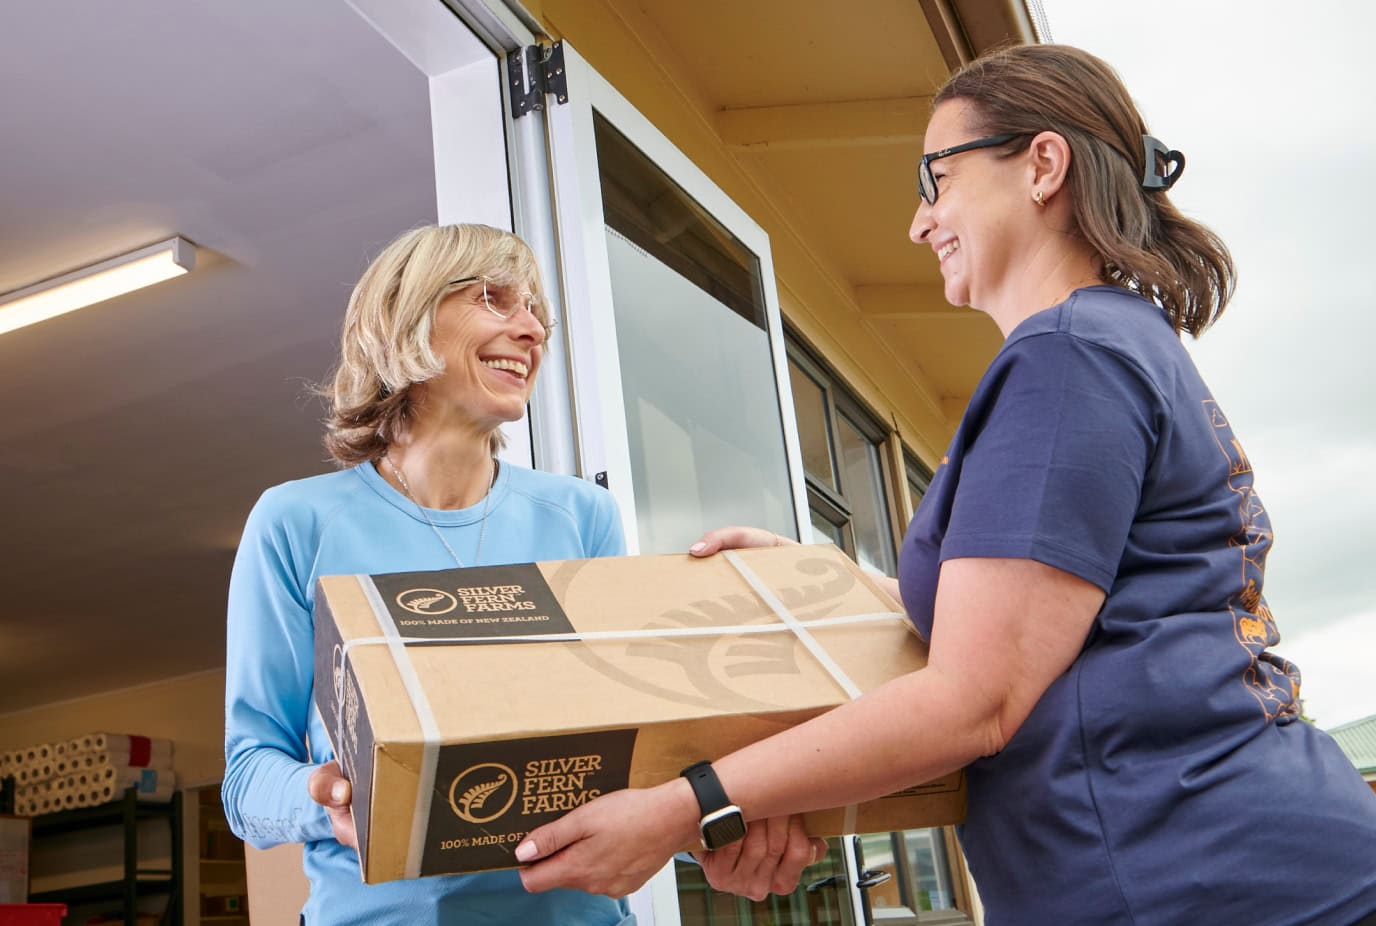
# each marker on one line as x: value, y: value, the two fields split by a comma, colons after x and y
x: 137, y: 882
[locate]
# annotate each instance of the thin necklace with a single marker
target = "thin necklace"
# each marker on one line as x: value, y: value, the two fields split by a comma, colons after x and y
x: 482, y: 522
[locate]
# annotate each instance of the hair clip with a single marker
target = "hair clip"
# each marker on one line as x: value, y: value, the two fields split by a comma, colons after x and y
x: 1169, y: 162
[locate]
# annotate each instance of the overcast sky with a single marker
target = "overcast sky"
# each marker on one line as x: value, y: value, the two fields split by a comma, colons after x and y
x: 1270, y: 102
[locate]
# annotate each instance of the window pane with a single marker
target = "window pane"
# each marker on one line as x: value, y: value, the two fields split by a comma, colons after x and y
x: 926, y: 850
x: 814, y: 433
x: 702, y: 405
x: 876, y: 851
x: 917, y: 477
x: 863, y: 486
x: 822, y: 529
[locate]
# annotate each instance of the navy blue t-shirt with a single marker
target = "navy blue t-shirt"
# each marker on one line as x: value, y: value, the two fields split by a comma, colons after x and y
x: 1166, y: 776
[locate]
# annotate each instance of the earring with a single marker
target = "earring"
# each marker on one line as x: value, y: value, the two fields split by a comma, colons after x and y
x: 1037, y: 198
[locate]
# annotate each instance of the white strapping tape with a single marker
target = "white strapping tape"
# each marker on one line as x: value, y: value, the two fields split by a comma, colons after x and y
x: 808, y: 640
x: 429, y: 730
x: 822, y: 656
x: 596, y: 636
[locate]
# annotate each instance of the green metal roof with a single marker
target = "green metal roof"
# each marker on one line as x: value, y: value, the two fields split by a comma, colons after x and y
x: 1358, y: 741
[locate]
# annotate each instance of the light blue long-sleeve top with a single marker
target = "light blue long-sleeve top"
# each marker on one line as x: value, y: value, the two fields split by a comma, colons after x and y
x: 349, y: 522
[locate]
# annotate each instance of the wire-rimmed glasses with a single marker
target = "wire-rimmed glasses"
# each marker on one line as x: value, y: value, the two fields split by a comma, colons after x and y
x: 503, y: 302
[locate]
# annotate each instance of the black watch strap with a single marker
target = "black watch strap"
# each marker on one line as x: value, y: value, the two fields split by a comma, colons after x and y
x: 722, y: 822
x: 706, y: 787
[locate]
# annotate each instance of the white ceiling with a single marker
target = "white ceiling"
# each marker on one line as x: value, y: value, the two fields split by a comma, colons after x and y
x: 289, y: 141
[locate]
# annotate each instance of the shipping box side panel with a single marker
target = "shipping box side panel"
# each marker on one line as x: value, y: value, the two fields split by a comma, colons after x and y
x: 390, y: 804
x: 348, y: 693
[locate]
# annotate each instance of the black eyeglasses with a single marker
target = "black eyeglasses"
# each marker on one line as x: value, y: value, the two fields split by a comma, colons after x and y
x: 926, y: 183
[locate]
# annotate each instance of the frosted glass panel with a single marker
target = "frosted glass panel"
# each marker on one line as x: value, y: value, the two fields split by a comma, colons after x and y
x: 702, y: 411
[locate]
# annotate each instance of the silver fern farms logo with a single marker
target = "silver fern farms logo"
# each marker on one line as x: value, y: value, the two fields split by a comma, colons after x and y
x: 427, y: 601
x: 484, y: 792
x: 488, y: 795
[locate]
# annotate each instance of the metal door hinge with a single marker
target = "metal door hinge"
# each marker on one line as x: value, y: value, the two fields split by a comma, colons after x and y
x: 533, y: 72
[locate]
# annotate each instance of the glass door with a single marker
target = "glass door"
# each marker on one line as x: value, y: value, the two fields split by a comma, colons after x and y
x: 910, y: 879
x: 822, y: 899
x: 677, y: 359
x: 700, y: 400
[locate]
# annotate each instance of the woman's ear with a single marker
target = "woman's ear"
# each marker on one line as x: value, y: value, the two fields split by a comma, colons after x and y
x: 1049, y: 163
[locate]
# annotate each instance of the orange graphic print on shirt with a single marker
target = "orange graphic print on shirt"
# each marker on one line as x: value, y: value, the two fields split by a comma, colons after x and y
x: 1273, y: 681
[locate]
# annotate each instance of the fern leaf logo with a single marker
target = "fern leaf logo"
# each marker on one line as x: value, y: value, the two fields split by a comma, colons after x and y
x: 427, y: 601
x: 474, y: 794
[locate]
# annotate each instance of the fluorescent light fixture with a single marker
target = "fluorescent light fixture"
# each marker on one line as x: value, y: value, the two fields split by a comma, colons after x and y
x: 96, y: 283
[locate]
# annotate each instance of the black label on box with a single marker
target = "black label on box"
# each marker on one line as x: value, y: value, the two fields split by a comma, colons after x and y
x: 342, y: 709
x: 470, y: 604
x: 356, y: 752
x: 488, y: 796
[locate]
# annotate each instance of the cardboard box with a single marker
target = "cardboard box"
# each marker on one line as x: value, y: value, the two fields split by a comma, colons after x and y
x: 469, y: 706
x: 14, y: 858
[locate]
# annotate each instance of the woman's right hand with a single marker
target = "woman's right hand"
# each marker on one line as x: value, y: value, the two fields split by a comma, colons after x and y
x: 329, y: 788
x: 736, y: 538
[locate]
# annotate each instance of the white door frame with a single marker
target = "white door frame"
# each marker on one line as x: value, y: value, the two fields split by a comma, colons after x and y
x: 490, y: 168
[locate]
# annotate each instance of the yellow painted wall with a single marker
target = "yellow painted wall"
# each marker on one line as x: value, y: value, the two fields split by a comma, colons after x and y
x: 813, y: 296
x: 189, y: 710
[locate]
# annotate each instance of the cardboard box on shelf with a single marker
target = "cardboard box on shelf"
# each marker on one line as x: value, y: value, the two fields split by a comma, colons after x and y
x: 469, y: 706
x: 14, y: 858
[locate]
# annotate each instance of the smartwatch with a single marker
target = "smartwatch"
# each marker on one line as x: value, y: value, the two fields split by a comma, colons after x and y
x: 722, y: 822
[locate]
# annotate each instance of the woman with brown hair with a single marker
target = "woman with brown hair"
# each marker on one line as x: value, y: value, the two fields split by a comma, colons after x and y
x: 1087, y: 565
x: 442, y: 340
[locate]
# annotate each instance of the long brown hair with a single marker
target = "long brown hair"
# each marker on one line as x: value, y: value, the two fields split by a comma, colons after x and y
x: 1145, y: 243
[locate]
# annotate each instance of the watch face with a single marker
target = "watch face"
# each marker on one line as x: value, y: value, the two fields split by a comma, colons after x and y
x: 723, y: 828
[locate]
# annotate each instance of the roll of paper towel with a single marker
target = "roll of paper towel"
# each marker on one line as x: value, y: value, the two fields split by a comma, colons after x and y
x: 34, y: 772
x: 140, y: 751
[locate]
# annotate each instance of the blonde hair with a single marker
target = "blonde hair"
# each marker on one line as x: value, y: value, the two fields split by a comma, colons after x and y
x: 385, y: 346
x: 1144, y: 242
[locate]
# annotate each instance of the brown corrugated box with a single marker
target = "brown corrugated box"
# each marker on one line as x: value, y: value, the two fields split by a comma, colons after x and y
x: 15, y: 836
x: 469, y: 706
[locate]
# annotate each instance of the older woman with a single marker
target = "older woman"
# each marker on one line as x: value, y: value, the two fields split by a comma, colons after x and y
x: 442, y: 341
x: 1087, y: 565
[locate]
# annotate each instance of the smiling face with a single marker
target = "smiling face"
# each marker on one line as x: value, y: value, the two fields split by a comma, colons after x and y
x: 977, y: 228
x: 490, y: 362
